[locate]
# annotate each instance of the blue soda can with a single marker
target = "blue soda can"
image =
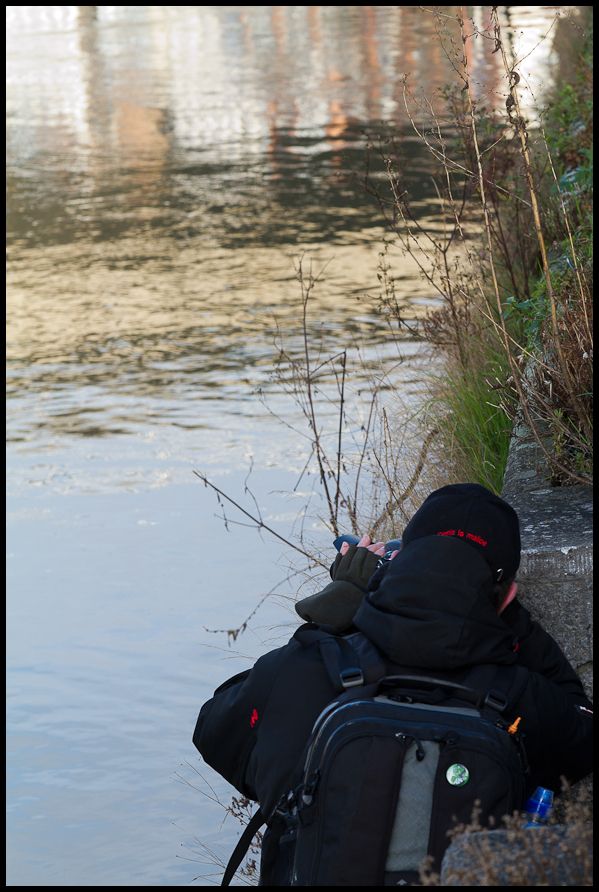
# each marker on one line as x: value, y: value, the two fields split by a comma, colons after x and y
x: 538, y: 807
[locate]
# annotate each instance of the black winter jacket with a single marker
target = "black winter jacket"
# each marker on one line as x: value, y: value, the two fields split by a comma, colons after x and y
x: 432, y: 611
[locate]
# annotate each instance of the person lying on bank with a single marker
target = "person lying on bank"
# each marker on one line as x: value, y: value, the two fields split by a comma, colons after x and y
x: 445, y: 603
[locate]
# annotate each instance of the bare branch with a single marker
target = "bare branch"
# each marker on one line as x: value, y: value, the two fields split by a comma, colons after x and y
x: 258, y: 521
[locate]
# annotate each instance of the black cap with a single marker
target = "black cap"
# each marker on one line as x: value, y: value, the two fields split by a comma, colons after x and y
x: 475, y: 515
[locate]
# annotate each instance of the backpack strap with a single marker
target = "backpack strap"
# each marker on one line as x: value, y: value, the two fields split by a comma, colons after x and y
x: 506, y: 688
x: 347, y: 667
x: 243, y: 844
x: 354, y: 660
x: 349, y: 660
x: 501, y: 686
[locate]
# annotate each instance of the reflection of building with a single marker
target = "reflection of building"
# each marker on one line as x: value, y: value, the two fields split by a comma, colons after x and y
x: 228, y: 76
x: 46, y: 97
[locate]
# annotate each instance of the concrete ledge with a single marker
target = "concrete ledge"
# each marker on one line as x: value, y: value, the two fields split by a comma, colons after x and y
x: 556, y: 570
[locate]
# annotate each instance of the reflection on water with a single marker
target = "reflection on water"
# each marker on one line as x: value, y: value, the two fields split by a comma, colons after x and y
x: 166, y: 165
x: 166, y: 168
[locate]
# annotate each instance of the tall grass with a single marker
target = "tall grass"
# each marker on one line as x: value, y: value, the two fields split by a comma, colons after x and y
x: 512, y: 268
x: 476, y: 430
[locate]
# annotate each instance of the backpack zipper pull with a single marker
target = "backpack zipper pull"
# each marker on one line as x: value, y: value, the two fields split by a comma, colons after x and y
x: 309, y: 788
x: 408, y: 738
x: 420, y: 754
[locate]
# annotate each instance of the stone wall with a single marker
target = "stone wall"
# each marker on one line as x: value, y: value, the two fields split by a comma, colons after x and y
x: 556, y: 570
x: 555, y: 584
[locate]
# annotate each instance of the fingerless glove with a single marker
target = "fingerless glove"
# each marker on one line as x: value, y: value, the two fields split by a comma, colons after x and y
x: 337, y: 603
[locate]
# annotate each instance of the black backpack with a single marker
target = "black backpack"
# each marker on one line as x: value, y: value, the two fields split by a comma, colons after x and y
x: 393, y: 763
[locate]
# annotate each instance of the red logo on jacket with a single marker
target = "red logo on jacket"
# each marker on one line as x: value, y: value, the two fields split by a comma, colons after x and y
x: 253, y: 718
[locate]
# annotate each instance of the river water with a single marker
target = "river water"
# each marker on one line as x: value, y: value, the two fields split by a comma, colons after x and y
x: 167, y: 168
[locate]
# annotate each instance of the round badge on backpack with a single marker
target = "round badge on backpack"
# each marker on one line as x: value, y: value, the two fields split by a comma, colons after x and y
x: 457, y: 775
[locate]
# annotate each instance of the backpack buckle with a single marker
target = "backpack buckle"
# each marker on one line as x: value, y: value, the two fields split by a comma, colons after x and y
x: 350, y: 678
x: 496, y: 700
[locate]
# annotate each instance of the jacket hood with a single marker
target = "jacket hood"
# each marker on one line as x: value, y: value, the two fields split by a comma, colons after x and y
x: 434, y: 608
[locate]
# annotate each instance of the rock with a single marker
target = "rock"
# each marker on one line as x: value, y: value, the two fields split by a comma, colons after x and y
x: 558, y: 855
